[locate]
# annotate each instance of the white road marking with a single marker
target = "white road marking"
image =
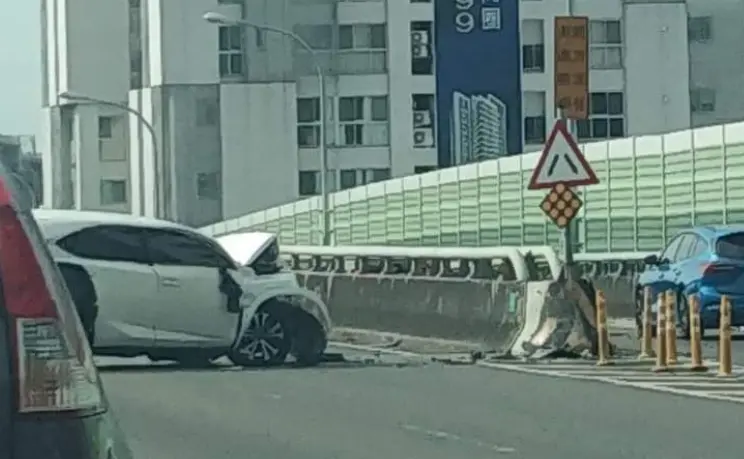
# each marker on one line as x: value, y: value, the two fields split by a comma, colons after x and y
x: 588, y: 372
x: 441, y: 435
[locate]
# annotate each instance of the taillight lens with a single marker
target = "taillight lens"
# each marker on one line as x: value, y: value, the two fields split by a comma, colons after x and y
x: 54, y: 365
x: 721, y: 272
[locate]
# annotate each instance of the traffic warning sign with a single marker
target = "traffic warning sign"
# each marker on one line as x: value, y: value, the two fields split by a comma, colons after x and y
x: 561, y: 162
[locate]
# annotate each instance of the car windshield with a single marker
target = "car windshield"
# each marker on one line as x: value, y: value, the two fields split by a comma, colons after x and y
x: 731, y: 246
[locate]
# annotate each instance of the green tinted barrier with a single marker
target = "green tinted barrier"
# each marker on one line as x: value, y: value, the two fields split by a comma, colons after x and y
x: 651, y: 187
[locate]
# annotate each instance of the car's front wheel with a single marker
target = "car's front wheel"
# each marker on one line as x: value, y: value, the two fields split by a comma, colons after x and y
x: 266, y: 340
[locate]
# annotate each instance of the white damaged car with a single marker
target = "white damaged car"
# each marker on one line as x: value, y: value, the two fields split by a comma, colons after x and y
x: 166, y: 291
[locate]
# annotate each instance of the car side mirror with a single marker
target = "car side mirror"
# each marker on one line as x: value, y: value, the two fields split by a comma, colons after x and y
x: 651, y: 260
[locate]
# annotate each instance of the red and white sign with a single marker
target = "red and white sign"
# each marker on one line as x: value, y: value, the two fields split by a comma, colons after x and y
x: 561, y: 162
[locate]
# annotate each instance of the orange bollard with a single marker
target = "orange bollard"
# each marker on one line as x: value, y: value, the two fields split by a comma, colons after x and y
x: 661, y: 360
x: 671, y: 328
x: 696, y: 336
x: 647, y: 338
x: 724, y: 339
x: 603, y: 337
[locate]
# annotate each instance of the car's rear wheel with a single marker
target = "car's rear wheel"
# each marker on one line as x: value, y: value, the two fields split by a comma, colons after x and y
x: 683, y: 318
x: 266, y: 340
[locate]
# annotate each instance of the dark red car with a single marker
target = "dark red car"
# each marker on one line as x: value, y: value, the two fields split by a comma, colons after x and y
x: 52, y: 403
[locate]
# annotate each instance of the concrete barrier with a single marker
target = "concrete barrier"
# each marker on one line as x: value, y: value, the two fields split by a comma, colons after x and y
x: 486, y: 312
x: 616, y: 274
x: 445, y: 294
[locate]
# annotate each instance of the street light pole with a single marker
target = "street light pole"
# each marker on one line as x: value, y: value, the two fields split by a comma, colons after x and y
x: 150, y: 129
x: 219, y: 19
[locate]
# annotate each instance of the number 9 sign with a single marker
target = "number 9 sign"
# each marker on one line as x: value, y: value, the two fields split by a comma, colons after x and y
x: 464, y: 22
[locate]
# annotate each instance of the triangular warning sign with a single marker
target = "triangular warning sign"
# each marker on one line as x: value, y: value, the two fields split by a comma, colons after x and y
x: 561, y: 162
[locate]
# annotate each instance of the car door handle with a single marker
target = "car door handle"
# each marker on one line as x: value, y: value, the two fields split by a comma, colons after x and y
x: 169, y: 282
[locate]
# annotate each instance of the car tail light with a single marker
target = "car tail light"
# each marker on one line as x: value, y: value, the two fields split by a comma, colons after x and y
x: 721, y: 271
x: 52, y: 361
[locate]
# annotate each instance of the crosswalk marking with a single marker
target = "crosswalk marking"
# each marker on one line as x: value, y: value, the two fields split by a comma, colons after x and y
x: 678, y: 380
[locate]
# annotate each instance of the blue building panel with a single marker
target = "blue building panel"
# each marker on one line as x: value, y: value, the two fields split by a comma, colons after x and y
x: 478, y: 66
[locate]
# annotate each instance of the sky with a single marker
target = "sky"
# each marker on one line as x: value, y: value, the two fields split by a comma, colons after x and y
x: 20, y: 66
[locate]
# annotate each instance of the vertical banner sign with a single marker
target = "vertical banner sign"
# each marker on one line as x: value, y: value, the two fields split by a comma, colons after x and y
x: 572, y: 66
x: 478, y: 78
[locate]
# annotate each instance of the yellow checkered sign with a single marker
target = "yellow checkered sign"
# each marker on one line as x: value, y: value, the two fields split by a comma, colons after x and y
x: 561, y: 205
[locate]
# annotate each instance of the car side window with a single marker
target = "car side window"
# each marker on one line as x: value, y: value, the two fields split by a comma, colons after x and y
x: 699, y: 248
x: 686, y: 243
x: 167, y: 247
x: 107, y: 243
x: 671, y: 249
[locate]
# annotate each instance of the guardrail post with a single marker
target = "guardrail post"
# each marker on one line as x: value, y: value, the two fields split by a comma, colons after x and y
x: 603, y: 336
x: 661, y: 357
x: 647, y: 332
x: 671, y: 327
x: 696, y: 335
x: 724, y: 339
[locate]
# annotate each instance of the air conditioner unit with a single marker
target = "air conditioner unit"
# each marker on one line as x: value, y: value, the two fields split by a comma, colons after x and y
x: 421, y: 118
x: 420, y: 44
x: 423, y: 137
x: 419, y: 37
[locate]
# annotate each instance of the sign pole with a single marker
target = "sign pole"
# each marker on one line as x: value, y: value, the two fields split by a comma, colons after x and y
x: 568, y: 253
x: 571, y: 97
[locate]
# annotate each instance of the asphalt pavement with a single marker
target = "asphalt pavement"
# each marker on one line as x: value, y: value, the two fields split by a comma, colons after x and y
x: 375, y: 407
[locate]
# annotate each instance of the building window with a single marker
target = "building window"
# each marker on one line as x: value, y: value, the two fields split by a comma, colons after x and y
x: 362, y: 36
x: 700, y: 29
x: 135, y: 45
x: 534, y: 130
x: 606, y: 117
x: 208, y: 186
x: 702, y: 100
x: 376, y: 175
x: 422, y: 62
x: 533, y: 58
x: 308, y: 122
x: 113, y: 191
x: 362, y: 49
x: 348, y: 178
x: 309, y: 183
x: 533, y: 107
x: 605, y: 45
x: 363, y: 120
x: 423, y: 120
x: 424, y: 169
x: 231, y: 51
x: 105, y: 127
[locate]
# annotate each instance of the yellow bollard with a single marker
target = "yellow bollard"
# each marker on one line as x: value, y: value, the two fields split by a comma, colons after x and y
x: 671, y: 328
x: 724, y: 339
x: 647, y: 338
x: 661, y: 360
x: 603, y: 337
x: 696, y: 336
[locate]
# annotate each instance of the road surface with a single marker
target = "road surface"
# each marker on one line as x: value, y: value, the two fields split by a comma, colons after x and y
x: 404, y: 408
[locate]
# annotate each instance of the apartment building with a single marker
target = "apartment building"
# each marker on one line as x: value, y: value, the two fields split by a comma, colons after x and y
x: 184, y: 119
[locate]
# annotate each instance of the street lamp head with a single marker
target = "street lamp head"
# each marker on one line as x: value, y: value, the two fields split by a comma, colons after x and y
x: 66, y: 95
x: 219, y: 19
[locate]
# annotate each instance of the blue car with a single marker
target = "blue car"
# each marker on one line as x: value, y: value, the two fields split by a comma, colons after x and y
x: 707, y: 261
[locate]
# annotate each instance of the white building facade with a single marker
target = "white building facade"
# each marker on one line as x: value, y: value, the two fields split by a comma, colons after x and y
x: 235, y: 111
